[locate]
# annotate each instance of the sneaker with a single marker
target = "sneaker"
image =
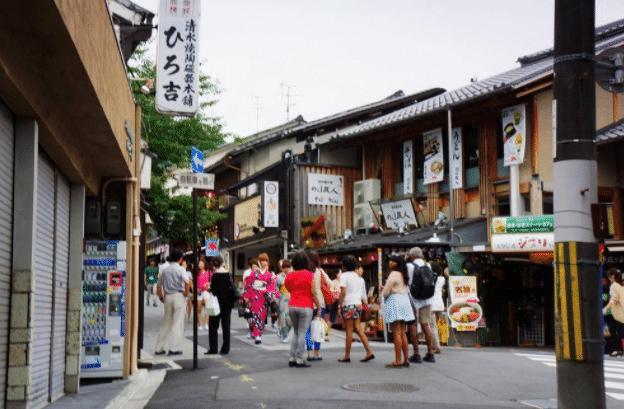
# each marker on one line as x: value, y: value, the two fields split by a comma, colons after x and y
x: 249, y: 335
x: 415, y: 359
x: 285, y: 341
x: 175, y: 353
x: 429, y: 358
x: 291, y: 364
x: 160, y: 352
x: 258, y: 340
x: 302, y: 365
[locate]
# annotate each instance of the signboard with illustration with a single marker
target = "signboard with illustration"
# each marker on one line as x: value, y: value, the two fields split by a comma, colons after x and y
x: 457, y: 177
x: 313, y: 232
x: 270, y: 204
x: 464, y: 310
x: 398, y: 213
x: 523, y: 234
x: 514, y: 134
x: 325, y: 189
x: 434, y: 156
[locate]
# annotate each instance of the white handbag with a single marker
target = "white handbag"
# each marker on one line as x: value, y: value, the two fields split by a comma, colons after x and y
x: 317, y: 330
x: 212, y: 305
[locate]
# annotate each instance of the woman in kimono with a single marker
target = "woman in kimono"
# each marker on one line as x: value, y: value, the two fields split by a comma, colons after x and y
x: 260, y: 293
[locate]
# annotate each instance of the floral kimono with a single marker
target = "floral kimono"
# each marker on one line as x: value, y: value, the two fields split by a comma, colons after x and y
x: 260, y: 291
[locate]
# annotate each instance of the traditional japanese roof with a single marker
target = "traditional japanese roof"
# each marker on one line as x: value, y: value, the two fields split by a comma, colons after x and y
x: 611, y: 133
x: 397, y: 99
x: 533, y: 67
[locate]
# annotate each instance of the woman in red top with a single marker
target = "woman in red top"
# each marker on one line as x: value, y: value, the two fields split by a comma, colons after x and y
x: 303, y: 298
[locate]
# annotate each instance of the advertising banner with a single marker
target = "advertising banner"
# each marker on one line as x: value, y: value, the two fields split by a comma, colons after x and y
x: 398, y: 212
x: 408, y: 167
x: 177, y: 73
x: 457, y: 176
x: 434, y: 156
x: 270, y: 204
x: 325, y: 189
x: 212, y: 247
x: 514, y: 134
x: 464, y: 310
x: 523, y: 224
x: 523, y: 242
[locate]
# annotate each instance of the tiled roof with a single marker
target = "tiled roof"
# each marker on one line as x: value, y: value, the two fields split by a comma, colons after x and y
x: 396, y: 98
x: 540, y: 66
x: 611, y: 133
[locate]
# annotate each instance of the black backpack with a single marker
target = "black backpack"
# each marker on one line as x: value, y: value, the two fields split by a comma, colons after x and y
x: 423, y: 282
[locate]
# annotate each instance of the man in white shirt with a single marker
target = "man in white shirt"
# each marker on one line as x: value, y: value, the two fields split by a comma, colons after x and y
x: 173, y: 286
x: 422, y: 310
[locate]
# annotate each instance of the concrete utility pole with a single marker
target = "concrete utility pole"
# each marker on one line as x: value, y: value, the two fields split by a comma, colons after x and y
x: 578, y: 323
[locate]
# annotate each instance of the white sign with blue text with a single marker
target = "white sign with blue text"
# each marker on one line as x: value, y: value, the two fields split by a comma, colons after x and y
x: 325, y: 190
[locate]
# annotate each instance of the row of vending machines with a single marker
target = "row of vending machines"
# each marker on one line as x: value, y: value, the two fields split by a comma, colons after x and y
x: 103, y: 308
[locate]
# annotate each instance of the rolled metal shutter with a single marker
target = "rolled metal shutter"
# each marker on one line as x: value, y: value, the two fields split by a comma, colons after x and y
x: 6, y: 234
x: 43, y: 283
x: 61, y: 273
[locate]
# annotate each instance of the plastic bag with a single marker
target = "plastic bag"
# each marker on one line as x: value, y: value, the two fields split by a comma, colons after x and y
x: 212, y: 306
x: 317, y: 331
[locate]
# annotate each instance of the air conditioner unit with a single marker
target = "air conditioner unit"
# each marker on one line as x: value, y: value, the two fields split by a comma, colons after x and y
x: 366, y: 190
x: 363, y: 217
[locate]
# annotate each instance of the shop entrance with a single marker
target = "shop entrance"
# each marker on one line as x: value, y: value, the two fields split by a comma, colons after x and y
x: 517, y: 297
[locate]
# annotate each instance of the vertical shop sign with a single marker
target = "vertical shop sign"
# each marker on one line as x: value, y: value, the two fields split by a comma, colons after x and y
x: 434, y: 156
x: 514, y: 134
x: 270, y: 204
x: 408, y: 167
x: 464, y: 310
x: 457, y: 177
x: 177, y: 76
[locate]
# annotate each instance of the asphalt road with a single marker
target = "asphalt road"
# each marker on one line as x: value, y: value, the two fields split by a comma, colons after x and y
x: 259, y: 377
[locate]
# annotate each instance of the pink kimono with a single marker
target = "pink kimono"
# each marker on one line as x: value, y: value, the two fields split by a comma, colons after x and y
x: 260, y: 291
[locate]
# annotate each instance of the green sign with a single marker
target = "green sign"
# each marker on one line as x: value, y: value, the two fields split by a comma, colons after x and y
x: 523, y: 224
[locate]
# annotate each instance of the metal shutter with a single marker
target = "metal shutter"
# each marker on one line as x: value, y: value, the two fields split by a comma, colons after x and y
x: 43, y: 288
x: 6, y: 234
x: 61, y: 272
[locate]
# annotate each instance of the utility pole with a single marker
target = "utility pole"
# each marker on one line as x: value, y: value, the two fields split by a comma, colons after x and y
x: 578, y: 322
x: 258, y: 108
x: 195, y: 272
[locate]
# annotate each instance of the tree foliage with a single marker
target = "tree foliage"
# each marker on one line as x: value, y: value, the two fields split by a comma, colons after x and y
x: 171, y: 139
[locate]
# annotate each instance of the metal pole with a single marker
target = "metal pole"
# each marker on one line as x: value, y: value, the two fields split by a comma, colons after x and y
x: 379, y: 284
x: 579, y: 338
x: 451, y: 195
x: 514, y: 190
x: 195, y: 279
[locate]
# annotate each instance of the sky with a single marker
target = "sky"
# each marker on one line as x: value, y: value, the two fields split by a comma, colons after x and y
x: 332, y: 55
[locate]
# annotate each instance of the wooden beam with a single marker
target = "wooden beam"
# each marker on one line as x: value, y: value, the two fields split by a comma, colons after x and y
x: 535, y: 138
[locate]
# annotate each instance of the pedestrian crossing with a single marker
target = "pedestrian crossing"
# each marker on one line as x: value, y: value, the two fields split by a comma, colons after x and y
x: 613, y: 372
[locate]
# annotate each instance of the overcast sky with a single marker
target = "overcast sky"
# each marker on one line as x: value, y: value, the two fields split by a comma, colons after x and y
x: 338, y: 54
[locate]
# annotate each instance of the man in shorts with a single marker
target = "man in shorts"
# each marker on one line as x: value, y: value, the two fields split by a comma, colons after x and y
x: 422, y: 310
x: 150, y: 280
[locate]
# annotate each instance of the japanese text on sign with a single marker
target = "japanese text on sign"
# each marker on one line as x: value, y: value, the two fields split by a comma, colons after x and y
x: 177, y: 68
x: 397, y: 213
x: 325, y: 189
x: 203, y: 181
x: 456, y: 157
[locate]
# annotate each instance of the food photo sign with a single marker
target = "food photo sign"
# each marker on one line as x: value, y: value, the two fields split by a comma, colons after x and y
x: 514, y: 134
x: 464, y: 312
x: 434, y: 156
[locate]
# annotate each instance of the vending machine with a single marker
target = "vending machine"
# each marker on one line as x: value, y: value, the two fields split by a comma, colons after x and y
x: 103, y: 309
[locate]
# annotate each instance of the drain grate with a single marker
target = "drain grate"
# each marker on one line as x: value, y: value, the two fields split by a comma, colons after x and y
x: 380, y: 387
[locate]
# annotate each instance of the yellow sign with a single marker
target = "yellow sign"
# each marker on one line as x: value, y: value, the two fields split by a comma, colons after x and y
x: 246, y: 216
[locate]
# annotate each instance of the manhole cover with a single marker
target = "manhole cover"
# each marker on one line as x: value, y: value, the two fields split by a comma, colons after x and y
x: 380, y: 387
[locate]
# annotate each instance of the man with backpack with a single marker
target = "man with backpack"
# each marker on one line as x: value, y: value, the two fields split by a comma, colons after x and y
x: 422, y: 286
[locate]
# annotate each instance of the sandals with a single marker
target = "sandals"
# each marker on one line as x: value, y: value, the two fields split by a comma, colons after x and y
x: 344, y: 360
x: 395, y: 365
x: 368, y: 358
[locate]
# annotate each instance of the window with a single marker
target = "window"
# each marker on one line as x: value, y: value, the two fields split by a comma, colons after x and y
x: 471, y: 156
x: 547, y: 203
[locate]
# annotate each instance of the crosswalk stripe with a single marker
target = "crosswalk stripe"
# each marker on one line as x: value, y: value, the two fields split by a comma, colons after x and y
x: 614, y: 376
x: 541, y: 359
x: 614, y: 385
x: 618, y: 396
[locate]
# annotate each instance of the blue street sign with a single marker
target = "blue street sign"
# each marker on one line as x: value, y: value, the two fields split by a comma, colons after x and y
x: 212, y: 247
x: 197, y: 160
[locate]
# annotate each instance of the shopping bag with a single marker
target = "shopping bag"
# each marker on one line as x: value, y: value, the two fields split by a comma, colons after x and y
x: 317, y: 332
x: 212, y: 306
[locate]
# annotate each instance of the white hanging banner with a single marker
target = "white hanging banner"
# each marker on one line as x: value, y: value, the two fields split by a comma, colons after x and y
x: 270, y: 204
x: 408, y: 168
x: 514, y: 134
x: 434, y: 156
x: 177, y: 75
x: 457, y: 176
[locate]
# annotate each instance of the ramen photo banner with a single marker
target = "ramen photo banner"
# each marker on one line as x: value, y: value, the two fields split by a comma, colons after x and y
x: 514, y: 134
x: 434, y: 157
